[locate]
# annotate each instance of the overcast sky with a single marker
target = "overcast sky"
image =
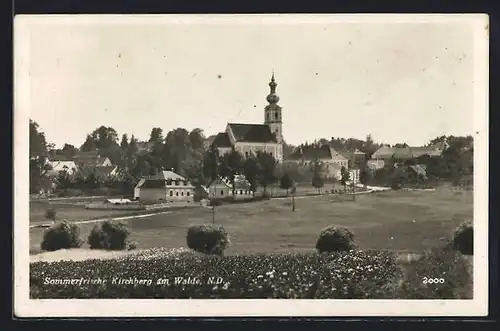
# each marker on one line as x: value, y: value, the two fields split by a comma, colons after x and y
x: 400, y: 82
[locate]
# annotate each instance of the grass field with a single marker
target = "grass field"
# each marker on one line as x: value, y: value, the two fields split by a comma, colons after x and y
x: 394, y: 220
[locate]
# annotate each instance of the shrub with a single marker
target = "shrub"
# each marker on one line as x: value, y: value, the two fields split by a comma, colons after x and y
x: 332, y: 239
x: 444, y: 264
x: 215, y: 202
x: 109, y: 235
x: 50, y: 214
x: 463, y: 238
x: 208, y: 239
x: 62, y: 235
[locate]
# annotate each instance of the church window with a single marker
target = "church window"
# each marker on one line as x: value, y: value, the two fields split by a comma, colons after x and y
x: 176, y: 194
x: 246, y: 154
x: 187, y: 193
x: 241, y: 192
x: 268, y: 116
x: 171, y: 193
x: 182, y: 193
x: 276, y: 115
x: 271, y: 153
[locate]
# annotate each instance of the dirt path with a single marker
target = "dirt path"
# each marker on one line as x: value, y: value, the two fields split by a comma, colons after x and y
x: 121, y: 218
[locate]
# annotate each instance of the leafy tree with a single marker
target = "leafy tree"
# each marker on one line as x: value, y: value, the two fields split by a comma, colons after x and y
x: 64, y: 180
x: 38, y: 158
x: 251, y: 169
x: 365, y: 176
x: 344, y: 177
x: 231, y: 165
x: 211, y: 163
x: 267, y: 168
x: 286, y: 182
x: 69, y: 151
x: 156, y: 135
x: 317, y: 180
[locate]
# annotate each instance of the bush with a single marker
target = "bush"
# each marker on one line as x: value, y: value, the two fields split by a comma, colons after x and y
x: 62, y: 235
x: 441, y: 263
x: 463, y: 238
x: 50, y: 214
x: 332, y: 239
x: 110, y: 235
x: 341, y: 275
x: 208, y: 239
x: 215, y: 202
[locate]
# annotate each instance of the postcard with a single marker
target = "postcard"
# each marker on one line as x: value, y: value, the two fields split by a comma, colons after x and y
x: 251, y: 165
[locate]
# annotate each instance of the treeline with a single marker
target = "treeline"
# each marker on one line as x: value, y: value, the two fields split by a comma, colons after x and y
x: 185, y: 152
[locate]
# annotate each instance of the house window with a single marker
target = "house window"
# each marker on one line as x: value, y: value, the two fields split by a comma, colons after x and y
x: 176, y: 194
x: 221, y: 192
x: 171, y: 193
x: 187, y: 193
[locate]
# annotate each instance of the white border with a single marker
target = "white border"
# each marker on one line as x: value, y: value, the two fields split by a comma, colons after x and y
x: 25, y: 307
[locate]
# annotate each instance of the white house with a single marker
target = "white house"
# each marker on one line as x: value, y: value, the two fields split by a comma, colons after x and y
x: 331, y: 160
x: 69, y: 166
x: 166, y: 186
x: 222, y: 188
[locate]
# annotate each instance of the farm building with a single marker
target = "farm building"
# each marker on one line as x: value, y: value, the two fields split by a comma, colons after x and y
x: 222, y: 188
x: 165, y: 186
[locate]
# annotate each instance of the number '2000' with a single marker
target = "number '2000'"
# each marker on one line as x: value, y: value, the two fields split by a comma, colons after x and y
x: 427, y: 280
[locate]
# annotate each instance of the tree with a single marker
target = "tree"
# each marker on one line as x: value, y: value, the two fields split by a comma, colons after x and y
x: 267, y: 165
x: 156, y: 135
x: 286, y: 182
x: 344, y: 177
x: 365, y: 176
x: 38, y: 158
x: 293, y: 191
x: 251, y: 169
x: 69, y: 151
x: 124, y: 143
x: 317, y: 180
x: 231, y: 165
x: 211, y: 163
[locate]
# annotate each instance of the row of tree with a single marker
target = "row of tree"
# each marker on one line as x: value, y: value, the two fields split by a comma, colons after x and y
x: 184, y: 152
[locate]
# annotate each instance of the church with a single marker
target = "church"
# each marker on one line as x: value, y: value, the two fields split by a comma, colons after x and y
x: 247, y: 139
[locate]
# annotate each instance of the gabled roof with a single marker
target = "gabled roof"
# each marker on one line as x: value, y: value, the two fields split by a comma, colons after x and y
x: 240, y: 182
x: 165, y: 175
x: 383, y: 153
x: 419, y: 170
x: 99, y: 171
x: 310, y: 153
x: 258, y: 133
x: 222, y: 140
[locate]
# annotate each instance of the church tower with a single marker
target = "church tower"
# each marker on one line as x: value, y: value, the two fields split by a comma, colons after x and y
x: 272, y: 112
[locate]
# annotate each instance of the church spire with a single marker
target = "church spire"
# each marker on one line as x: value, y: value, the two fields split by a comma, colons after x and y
x: 273, y: 98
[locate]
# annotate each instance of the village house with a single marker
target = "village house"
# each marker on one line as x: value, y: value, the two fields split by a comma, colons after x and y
x: 356, y: 158
x: 92, y: 159
x: 402, y: 154
x: 60, y: 163
x: 166, y: 186
x: 306, y: 155
x: 247, y: 139
x: 222, y: 188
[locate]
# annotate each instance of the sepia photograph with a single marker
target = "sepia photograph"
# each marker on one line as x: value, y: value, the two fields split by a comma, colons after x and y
x: 257, y: 165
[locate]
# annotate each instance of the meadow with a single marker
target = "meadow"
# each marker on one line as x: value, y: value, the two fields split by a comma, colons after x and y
x: 405, y: 221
